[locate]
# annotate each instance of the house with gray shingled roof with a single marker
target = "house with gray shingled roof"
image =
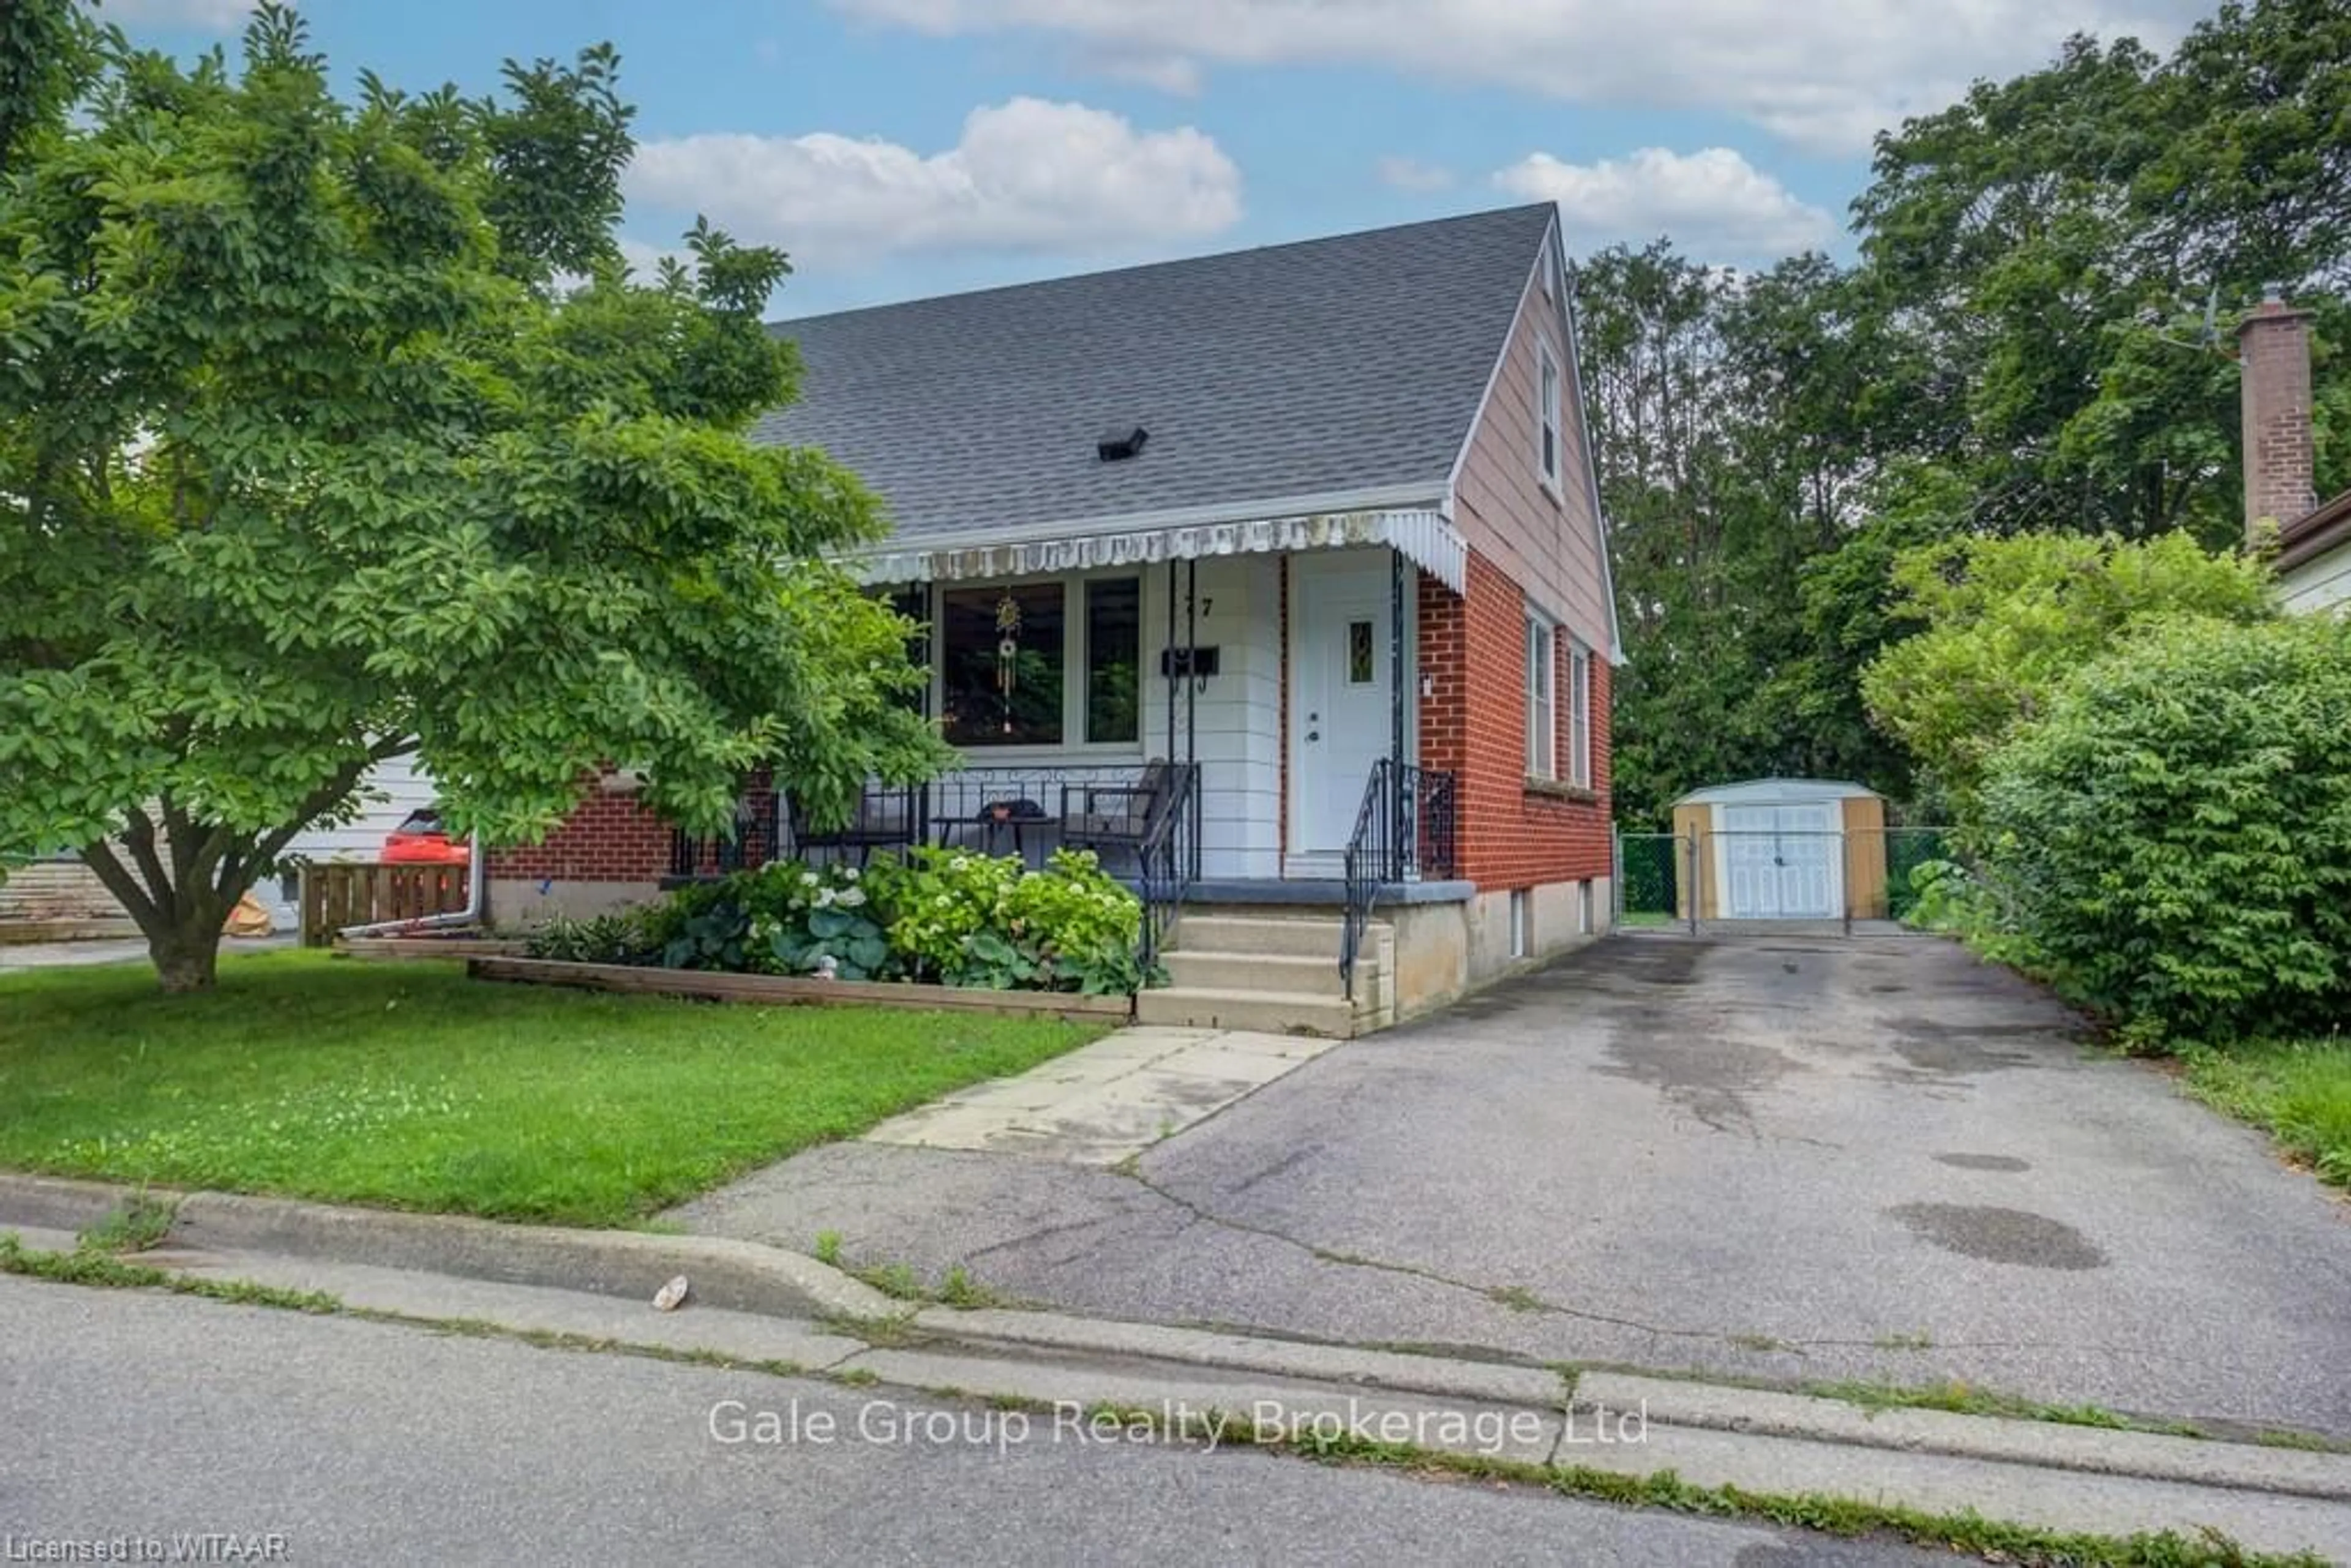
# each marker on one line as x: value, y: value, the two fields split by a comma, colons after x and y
x: 1278, y: 578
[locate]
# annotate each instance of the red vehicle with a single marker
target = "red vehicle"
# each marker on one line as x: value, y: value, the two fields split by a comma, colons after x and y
x: 420, y: 840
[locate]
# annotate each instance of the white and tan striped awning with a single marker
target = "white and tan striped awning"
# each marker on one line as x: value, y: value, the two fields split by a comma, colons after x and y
x: 1422, y: 536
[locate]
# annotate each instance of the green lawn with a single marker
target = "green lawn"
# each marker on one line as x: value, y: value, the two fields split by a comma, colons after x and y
x: 2300, y: 1093
x: 408, y: 1086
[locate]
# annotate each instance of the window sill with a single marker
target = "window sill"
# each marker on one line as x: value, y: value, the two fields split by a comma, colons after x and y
x: 1030, y: 755
x: 1559, y: 790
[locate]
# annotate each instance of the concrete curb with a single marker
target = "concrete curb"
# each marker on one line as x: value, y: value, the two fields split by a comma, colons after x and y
x: 1497, y: 1382
x: 61, y: 1203
x: 2048, y: 1445
x: 746, y: 1277
x: 735, y: 1276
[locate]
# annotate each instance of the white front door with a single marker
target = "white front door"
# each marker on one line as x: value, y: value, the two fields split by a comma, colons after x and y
x: 1341, y: 718
x: 1782, y: 863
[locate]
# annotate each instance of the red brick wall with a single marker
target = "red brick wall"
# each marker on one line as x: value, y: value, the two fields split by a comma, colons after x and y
x: 608, y: 837
x: 1473, y: 721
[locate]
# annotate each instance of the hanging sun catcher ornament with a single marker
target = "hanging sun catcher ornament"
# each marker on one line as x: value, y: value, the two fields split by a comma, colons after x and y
x: 1008, y: 652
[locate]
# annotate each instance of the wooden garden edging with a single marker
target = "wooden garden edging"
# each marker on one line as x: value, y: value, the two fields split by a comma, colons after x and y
x: 777, y: 990
x: 431, y: 946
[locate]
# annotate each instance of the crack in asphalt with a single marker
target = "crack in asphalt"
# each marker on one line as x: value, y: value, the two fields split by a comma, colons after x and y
x: 1199, y: 1214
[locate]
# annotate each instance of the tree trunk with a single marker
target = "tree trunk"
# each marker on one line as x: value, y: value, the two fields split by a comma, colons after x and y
x: 187, y: 954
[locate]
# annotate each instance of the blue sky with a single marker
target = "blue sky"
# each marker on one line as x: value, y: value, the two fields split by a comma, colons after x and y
x: 899, y: 148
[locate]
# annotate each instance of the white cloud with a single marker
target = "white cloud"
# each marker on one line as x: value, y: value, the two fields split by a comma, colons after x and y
x: 1027, y: 175
x: 1823, y: 75
x: 1178, y: 75
x: 1714, y: 202
x: 210, y: 15
x: 1414, y: 175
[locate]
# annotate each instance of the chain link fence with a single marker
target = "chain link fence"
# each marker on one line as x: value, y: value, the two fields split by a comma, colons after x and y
x: 1857, y: 879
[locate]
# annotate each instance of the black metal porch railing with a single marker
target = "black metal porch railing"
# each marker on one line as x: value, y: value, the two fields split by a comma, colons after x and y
x: 1168, y: 862
x: 756, y: 839
x: 992, y: 809
x: 1404, y: 831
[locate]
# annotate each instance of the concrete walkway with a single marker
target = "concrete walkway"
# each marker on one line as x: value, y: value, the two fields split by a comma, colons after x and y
x: 1107, y: 1101
x: 115, y: 950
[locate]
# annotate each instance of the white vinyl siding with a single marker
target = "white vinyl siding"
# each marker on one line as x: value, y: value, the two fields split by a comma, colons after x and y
x: 2323, y: 582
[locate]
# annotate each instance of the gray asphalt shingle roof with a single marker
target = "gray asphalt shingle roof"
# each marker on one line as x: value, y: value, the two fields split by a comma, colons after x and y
x: 1327, y: 365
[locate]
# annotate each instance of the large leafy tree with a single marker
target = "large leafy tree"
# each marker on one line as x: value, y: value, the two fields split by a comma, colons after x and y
x: 2037, y: 337
x: 1735, y: 421
x: 333, y: 432
x: 2069, y: 250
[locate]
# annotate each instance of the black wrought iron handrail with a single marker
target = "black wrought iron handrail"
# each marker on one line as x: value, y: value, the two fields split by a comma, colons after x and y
x: 1404, y: 830
x: 1362, y: 873
x: 1169, y: 862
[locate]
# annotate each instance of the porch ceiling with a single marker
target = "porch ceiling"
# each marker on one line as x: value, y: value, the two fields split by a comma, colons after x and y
x: 1422, y: 536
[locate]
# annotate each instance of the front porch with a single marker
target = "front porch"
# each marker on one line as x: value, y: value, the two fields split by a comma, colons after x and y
x: 1234, y: 731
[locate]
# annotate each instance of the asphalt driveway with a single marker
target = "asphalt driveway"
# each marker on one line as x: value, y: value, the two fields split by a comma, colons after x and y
x: 1804, y: 1159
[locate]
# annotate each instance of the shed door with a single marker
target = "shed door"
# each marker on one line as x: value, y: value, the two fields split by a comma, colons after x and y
x: 1781, y: 862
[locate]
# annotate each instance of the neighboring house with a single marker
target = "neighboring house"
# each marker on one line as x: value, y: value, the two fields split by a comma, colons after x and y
x: 61, y: 887
x: 2312, y: 541
x: 2314, y: 558
x: 387, y: 793
x: 1320, y: 518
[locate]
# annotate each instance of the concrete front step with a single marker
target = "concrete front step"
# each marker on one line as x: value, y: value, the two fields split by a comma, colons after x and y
x: 1299, y: 937
x: 1260, y: 1012
x: 1196, y: 969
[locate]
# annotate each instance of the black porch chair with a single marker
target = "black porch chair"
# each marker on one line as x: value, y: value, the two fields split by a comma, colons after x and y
x: 883, y: 820
x: 1118, y: 817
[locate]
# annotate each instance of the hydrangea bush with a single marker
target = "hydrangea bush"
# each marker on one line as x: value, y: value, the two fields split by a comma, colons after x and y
x: 942, y: 915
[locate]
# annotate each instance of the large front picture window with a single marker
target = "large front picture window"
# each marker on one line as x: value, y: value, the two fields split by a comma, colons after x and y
x: 1041, y: 664
x: 1004, y: 651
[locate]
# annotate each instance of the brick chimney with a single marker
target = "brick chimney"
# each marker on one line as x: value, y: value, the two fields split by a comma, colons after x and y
x: 2273, y: 348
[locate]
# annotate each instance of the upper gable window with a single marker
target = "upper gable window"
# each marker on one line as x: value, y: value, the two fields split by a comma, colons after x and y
x: 1547, y: 454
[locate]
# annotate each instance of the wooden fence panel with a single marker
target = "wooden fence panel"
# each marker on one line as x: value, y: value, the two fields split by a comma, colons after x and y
x: 350, y: 892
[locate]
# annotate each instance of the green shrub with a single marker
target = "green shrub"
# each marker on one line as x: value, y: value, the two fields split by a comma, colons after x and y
x: 620, y: 939
x: 941, y: 902
x: 1082, y: 925
x: 944, y: 916
x: 967, y: 919
x: 2173, y: 835
x: 2006, y: 619
x: 781, y: 919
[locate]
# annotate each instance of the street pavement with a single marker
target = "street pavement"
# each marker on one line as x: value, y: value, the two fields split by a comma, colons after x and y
x: 1802, y: 1158
x: 133, y: 1417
